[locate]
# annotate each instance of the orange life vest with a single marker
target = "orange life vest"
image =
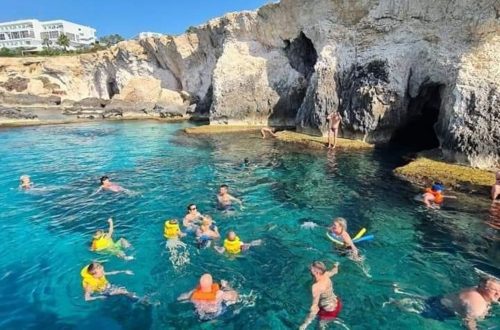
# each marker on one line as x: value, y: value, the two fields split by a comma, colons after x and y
x: 207, y: 296
x: 438, y: 197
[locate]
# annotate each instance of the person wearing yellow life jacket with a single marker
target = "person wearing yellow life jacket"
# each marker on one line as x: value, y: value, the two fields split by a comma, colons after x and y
x: 94, y: 281
x: 210, y: 299
x: 233, y: 245
x: 103, y: 242
x: 172, y: 230
x: 434, y: 195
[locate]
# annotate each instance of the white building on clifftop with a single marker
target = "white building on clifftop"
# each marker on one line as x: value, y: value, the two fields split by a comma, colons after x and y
x: 30, y: 34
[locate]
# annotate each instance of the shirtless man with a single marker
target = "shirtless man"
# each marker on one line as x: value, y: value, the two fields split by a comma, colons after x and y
x: 192, y: 219
x: 334, y: 120
x: 326, y: 305
x: 106, y: 184
x: 209, y: 298
x: 269, y: 130
x: 224, y: 199
x: 495, y: 189
x: 471, y: 304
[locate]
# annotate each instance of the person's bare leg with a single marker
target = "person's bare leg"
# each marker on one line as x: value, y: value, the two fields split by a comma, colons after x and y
x: 262, y: 132
x: 329, y: 138
x: 335, y: 133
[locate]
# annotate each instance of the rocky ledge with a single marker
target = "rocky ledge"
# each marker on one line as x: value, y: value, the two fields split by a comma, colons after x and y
x: 417, y: 71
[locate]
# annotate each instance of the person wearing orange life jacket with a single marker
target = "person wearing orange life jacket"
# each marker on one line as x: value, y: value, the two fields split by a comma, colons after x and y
x: 103, y: 242
x: 434, y: 196
x: 233, y: 245
x: 94, y: 281
x: 210, y: 299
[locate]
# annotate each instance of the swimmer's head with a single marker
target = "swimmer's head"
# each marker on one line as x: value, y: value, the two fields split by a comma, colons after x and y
x: 223, y: 188
x: 206, y: 282
x: 207, y: 220
x: 437, y: 186
x: 191, y: 207
x: 231, y: 235
x: 246, y: 160
x: 96, y: 270
x: 317, y: 268
x: 490, y: 288
x: 173, y: 221
x: 99, y: 233
x: 104, y: 179
x: 339, y: 224
x: 24, y: 179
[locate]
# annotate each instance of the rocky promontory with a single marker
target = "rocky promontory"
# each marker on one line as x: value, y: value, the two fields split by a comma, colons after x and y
x: 420, y: 71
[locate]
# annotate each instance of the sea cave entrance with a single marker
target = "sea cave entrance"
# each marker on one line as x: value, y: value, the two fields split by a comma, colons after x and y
x: 419, y: 131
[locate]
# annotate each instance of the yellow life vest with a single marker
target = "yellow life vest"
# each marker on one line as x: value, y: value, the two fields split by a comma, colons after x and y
x: 101, y: 243
x: 171, y: 230
x: 95, y: 284
x: 233, y: 246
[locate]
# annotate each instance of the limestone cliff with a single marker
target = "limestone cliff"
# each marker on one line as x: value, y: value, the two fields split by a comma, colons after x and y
x: 389, y: 66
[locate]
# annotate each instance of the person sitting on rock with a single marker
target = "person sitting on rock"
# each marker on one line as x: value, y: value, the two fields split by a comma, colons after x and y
x: 495, y: 189
x: 269, y: 130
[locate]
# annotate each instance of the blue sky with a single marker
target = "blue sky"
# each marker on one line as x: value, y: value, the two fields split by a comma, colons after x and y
x: 126, y: 17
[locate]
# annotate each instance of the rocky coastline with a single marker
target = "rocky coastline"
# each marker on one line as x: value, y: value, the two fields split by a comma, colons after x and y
x: 425, y: 72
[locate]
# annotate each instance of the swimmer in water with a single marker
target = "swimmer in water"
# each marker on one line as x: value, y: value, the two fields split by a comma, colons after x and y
x: 192, y: 219
x: 334, y: 120
x: 495, y: 189
x: 471, y: 304
x: 210, y: 299
x: 106, y: 184
x: 25, y: 182
x: 325, y: 304
x: 103, y: 242
x: 433, y: 197
x: 225, y: 200
x: 268, y: 130
x: 171, y: 230
x: 233, y: 245
x: 94, y: 282
x: 206, y: 232
x: 338, y: 231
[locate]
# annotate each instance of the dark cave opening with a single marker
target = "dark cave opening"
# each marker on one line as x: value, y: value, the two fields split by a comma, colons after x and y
x: 301, y: 54
x: 112, y: 87
x: 419, y: 133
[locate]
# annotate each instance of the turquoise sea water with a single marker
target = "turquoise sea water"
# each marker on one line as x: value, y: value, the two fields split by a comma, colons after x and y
x: 46, y: 232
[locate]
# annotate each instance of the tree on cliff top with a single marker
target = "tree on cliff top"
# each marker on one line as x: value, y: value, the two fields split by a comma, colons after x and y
x: 111, y: 39
x: 63, y: 41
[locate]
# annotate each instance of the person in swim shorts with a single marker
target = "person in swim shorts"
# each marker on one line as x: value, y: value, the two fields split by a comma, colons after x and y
x: 192, y: 219
x: 224, y: 199
x: 334, y: 120
x: 495, y: 189
x: 210, y: 299
x: 94, y: 282
x: 325, y: 304
x: 103, y: 242
x: 338, y: 231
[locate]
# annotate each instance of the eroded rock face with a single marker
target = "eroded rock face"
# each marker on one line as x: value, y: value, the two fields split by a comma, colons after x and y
x: 293, y: 63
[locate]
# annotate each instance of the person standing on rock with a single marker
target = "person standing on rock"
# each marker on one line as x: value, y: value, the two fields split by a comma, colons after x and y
x: 495, y: 190
x: 334, y: 120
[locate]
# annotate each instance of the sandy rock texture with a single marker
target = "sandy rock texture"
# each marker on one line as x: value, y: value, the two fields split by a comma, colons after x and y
x: 394, y: 69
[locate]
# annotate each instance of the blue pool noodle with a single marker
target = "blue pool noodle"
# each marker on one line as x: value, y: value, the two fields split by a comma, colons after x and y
x: 364, y: 238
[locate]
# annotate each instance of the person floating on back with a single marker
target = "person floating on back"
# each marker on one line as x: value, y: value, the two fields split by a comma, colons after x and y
x: 334, y: 120
x: 225, y: 200
x: 210, y: 299
x: 338, y: 231
x: 325, y: 304
x: 495, y: 189
x: 171, y: 230
x: 103, y: 242
x: 25, y: 182
x: 94, y: 282
x: 233, y: 245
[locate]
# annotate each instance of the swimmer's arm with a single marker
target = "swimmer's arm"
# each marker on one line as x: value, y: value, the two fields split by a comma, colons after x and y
x: 314, y: 309
x: 116, y: 272
x: 220, y: 249
x: 111, y: 228
x: 333, y: 271
x: 88, y: 295
x: 235, y: 199
x: 470, y: 323
x: 97, y: 191
x: 185, y: 296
